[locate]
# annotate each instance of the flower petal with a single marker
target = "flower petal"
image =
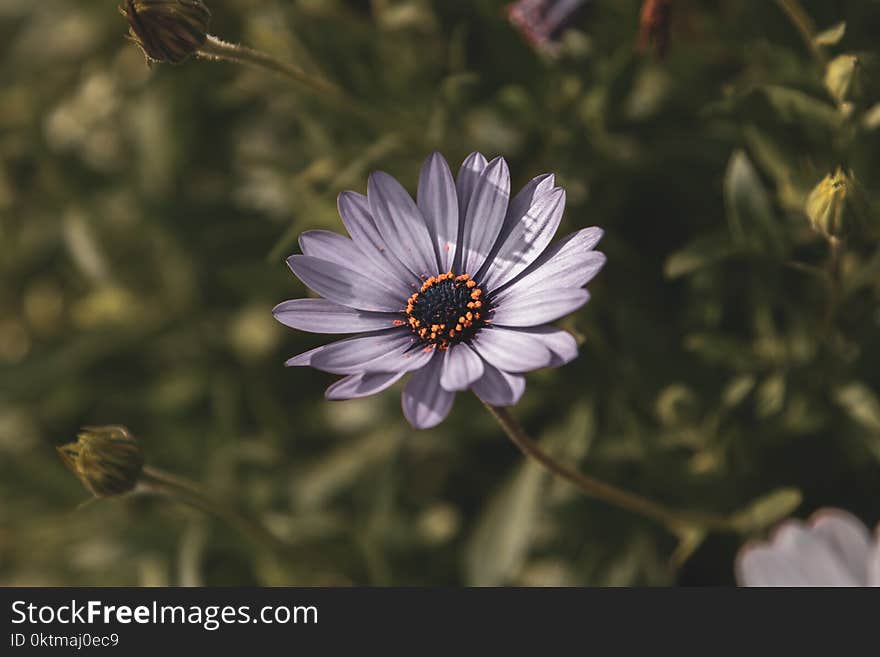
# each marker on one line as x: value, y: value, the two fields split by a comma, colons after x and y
x: 362, y: 385
x: 525, y: 198
x: 511, y: 350
x: 461, y: 367
x: 322, y: 316
x: 305, y: 358
x: 343, y: 285
x: 538, y: 307
x: 383, y: 351
x: 485, y: 215
x: 336, y: 248
x: 468, y: 175
x: 499, y: 388
x: 561, y: 344
x: 847, y: 537
x: 401, y: 224
x: 438, y: 202
x: 874, y: 561
x: 794, y: 557
x: 571, y: 262
x: 525, y: 239
x: 425, y: 403
x: 354, y: 209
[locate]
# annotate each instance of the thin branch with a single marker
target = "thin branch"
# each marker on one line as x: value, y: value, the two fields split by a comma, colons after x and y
x: 675, y: 520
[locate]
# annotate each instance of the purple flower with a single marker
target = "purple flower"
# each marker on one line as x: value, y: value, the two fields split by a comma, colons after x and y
x: 542, y: 21
x: 833, y: 548
x: 457, y: 288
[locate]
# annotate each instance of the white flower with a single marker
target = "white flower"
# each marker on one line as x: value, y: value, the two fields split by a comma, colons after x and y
x: 833, y: 548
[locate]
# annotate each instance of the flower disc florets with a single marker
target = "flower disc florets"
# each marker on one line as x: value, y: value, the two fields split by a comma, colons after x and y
x: 446, y: 310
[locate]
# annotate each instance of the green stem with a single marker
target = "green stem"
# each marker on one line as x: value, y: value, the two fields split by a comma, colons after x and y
x: 673, y: 519
x: 834, y: 284
x: 804, y: 24
x: 158, y: 481
x: 217, y: 49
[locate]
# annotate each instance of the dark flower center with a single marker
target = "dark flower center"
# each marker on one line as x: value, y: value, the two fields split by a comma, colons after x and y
x: 448, y: 309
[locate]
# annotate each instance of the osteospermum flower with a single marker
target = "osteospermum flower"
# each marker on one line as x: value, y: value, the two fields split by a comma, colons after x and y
x: 457, y: 288
x: 833, y: 548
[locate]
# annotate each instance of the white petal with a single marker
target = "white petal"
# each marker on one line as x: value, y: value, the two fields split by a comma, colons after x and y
x: 571, y: 262
x: 354, y: 209
x: 401, y: 224
x: 499, y: 388
x: 468, y: 175
x: 874, y: 561
x: 438, y: 202
x: 322, y: 316
x: 847, y: 537
x: 461, y: 367
x: 343, y: 285
x: 485, y: 215
x: 561, y: 344
x: 425, y: 403
x: 794, y: 557
x: 341, y: 250
x: 538, y: 308
x: 526, y: 239
x: 362, y: 385
x: 466, y: 183
x: 511, y: 350
x: 387, y: 351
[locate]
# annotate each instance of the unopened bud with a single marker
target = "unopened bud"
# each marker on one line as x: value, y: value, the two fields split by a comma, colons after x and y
x: 108, y: 460
x: 167, y: 30
x: 843, y: 78
x: 834, y: 207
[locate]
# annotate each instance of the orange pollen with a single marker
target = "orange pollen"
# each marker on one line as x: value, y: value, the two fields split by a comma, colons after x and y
x: 440, y: 314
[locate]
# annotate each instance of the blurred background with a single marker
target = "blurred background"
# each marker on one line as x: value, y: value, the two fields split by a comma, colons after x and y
x: 145, y: 213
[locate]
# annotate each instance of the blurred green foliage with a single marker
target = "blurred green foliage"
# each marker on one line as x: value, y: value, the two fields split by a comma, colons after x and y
x: 145, y: 214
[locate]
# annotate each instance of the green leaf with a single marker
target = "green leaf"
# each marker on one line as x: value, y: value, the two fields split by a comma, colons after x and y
x: 831, y: 36
x: 689, y: 540
x: 797, y: 107
x: 737, y: 390
x: 861, y: 404
x: 780, y: 160
x: 498, y: 548
x: 770, y: 396
x: 702, y: 252
x: 749, y: 211
x: 722, y: 349
x: 767, y: 510
x: 871, y: 118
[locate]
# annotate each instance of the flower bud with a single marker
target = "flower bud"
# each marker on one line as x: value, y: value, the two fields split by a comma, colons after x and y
x: 834, y: 207
x: 844, y: 78
x: 542, y: 22
x: 655, y: 26
x: 167, y: 30
x: 108, y: 460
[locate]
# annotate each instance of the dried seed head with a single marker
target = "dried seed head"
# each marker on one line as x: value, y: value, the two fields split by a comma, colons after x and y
x: 167, y: 30
x: 108, y: 460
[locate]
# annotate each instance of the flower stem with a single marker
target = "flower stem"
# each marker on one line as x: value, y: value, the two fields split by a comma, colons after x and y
x: 836, y: 247
x: 673, y: 519
x: 804, y: 24
x: 154, y: 480
x: 217, y: 49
